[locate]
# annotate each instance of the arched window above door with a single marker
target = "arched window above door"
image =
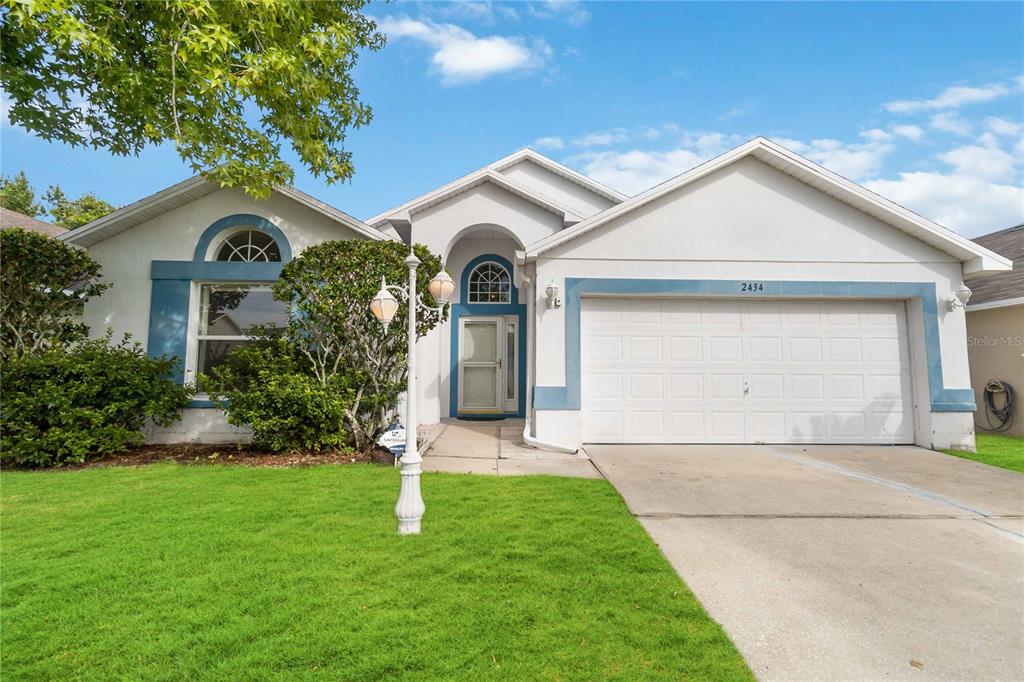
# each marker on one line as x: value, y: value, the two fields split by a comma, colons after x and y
x: 489, y: 282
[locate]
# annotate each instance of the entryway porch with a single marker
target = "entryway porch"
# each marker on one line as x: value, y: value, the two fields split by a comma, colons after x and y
x: 496, y: 448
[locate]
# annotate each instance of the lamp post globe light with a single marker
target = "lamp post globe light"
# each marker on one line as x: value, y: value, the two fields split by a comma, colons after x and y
x: 409, y: 508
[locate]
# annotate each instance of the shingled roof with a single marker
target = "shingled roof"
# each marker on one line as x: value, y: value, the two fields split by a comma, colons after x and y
x: 10, y: 218
x: 1003, y: 285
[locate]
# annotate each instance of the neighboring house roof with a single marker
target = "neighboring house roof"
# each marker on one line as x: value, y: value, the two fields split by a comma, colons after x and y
x: 10, y: 218
x: 975, y: 257
x: 1006, y: 288
x: 183, y: 193
x: 492, y: 172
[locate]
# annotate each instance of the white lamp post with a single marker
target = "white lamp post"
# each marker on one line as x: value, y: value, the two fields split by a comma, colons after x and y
x: 409, y: 508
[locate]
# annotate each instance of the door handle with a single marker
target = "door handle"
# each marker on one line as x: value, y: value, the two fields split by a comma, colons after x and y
x: 746, y: 388
x: 499, y: 363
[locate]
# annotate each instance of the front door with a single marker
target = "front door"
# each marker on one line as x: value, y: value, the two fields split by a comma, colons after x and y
x: 488, y: 367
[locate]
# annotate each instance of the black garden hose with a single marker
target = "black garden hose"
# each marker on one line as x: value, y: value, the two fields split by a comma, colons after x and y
x: 1001, y: 415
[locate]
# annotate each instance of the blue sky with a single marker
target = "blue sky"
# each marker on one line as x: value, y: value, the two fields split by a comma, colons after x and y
x: 923, y: 103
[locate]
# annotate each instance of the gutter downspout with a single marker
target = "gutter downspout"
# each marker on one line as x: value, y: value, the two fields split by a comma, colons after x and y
x: 532, y: 373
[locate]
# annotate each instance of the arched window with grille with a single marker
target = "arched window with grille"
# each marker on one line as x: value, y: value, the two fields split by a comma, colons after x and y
x: 489, y: 282
x: 249, y: 246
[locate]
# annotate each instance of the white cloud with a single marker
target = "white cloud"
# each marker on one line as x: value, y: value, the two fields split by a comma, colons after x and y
x: 966, y: 204
x: 570, y: 11
x: 985, y: 162
x: 601, y: 139
x: 954, y: 96
x: 972, y: 186
x: 856, y: 160
x: 1000, y: 126
x: 911, y: 132
x: 635, y: 171
x: 461, y: 57
x: 551, y: 142
x: 951, y: 122
x: 876, y: 135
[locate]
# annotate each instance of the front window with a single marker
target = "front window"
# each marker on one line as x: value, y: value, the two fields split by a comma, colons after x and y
x: 489, y: 283
x: 249, y: 246
x: 228, y: 317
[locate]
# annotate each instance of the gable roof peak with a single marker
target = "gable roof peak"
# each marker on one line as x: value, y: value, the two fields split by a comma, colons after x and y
x: 975, y: 257
x: 185, y: 192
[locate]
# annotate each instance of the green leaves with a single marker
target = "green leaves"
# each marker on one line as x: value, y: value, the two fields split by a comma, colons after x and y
x: 72, y: 213
x: 333, y: 376
x: 227, y: 82
x: 63, y: 406
x: 43, y: 285
x: 269, y: 387
x: 19, y: 196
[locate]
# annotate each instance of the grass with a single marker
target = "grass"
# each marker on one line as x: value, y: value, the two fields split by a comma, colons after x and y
x: 168, y: 572
x: 999, y: 451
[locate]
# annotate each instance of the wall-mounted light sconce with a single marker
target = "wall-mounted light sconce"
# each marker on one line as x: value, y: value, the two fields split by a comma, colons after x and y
x: 552, y: 293
x: 960, y: 298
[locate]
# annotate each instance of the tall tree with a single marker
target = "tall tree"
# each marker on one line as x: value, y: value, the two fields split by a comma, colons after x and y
x: 43, y: 284
x: 17, y: 195
x: 226, y: 82
x: 72, y: 213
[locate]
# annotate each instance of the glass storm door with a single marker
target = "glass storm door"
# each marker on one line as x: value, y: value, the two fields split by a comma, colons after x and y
x: 481, y: 385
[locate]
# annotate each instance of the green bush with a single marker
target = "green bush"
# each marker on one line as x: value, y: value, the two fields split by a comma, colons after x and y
x: 269, y: 386
x: 329, y: 287
x: 63, y: 406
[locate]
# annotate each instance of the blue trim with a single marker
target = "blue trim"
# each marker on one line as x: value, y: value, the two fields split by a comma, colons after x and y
x: 172, y: 287
x: 467, y: 309
x: 221, y: 271
x: 237, y: 220
x: 568, y: 397
x: 471, y: 265
x: 168, y: 322
x: 203, y: 404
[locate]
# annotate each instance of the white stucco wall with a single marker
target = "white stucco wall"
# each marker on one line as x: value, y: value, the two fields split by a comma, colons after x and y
x: 126, y: 258
x: 440, y: 227
x: 484, y: 220
x: 564, y: 191
x: 750, y: 221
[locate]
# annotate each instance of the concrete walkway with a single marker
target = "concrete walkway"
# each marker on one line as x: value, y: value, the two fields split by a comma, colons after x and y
x: 496, y: 448
x: 841, y: 562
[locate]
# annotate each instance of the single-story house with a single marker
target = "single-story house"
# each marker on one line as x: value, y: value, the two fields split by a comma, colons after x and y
x: 995, y: 335
x: 755, y: 298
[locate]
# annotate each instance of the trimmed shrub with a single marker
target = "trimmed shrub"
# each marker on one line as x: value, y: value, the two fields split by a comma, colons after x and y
x: 270, y: 386
x: 64, y: 406
x: 330, y: 286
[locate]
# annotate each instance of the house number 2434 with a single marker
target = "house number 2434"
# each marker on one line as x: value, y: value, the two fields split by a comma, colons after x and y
x: 751, y: 287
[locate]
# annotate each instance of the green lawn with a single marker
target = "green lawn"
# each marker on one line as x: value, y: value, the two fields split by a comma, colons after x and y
x: 168, y: 572
x: 999, y: 451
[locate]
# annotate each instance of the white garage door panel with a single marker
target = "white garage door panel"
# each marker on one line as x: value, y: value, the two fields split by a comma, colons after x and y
x: 688, y: 370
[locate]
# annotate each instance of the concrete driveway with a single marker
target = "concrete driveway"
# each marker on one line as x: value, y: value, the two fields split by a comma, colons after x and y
x: 841, y: 562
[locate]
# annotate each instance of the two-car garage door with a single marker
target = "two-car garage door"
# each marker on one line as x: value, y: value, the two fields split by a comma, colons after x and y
x: 726, y: 371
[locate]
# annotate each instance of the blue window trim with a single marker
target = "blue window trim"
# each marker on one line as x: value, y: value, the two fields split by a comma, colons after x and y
x: 459, y: 310
x: 172, y: 287
x: 567, y: 397
x: 242, y: 220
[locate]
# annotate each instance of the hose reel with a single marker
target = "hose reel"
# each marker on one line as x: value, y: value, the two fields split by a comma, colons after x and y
x: 998, y: 399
